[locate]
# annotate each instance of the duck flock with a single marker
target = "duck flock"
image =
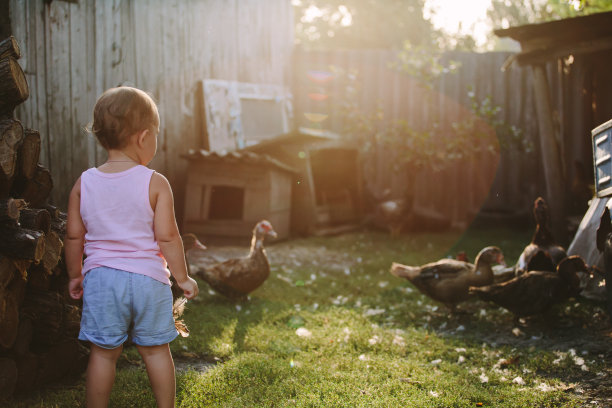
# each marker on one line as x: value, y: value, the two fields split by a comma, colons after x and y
x: 544, y: 274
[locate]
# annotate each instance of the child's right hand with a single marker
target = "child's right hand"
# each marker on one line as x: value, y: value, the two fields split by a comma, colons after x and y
x: 75, y: 287
x: 190, y: 287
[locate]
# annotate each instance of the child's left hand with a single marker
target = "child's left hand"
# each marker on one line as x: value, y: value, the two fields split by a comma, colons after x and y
x: 75, y: 287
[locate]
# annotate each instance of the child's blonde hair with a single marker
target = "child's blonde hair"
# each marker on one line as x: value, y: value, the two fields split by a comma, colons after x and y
x: 119, y: 113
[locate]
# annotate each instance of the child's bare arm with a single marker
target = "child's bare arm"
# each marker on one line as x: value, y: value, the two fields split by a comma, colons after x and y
x: 167, y: 234
x: 74, y: 242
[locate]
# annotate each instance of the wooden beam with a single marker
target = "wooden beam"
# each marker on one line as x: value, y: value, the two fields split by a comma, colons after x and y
x: 540, y: 55
x: 551, y: 160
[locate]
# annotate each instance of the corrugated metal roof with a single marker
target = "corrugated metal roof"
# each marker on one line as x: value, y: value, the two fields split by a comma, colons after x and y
x: 243, y: 157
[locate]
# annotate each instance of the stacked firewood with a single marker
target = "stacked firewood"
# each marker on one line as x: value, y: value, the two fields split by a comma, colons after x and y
x: 39, y: 322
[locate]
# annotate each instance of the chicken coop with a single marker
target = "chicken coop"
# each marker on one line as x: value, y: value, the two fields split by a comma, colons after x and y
x: 228, y: 193
x: 328, y: 195
x: 253, y: 123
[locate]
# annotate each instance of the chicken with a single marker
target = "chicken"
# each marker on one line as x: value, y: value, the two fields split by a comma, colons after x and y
x: 542, y: 240
x: 235, y: 278
x: 534, y: 292
x: 448, y: 280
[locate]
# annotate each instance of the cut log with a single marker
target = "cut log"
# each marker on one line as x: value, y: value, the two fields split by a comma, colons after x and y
x: 9, y: 48
x: 10, y: 209
x: 28, y: 154
x: 65, y: 358
x: 53, y: 251
x: 24, y: 338
x: 8, y: 376
x: 53, y: 210
x: 9, y: 318
x: 22, y: 243
x: 7, y: 271
x: 71, y: 321
x: 27, y: 371
x: 45, y: 309
x: 38, y: 278
x: 36, y: 191
x: 37, y: 219
x: 11, y: 136
x: 17, y: 289
x: 59, y: 225
x: 13, y: 86
x: 22, y: 266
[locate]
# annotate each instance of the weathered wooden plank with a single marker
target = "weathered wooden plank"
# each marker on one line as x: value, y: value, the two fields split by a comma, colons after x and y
x: 59, y: 96
x: 80, y: 75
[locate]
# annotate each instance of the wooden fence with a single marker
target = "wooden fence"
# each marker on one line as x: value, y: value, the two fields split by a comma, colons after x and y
x: 506, y: 185
x: 73, y: 51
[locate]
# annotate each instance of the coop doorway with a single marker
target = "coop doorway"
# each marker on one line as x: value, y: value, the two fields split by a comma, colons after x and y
x: 335, y: 176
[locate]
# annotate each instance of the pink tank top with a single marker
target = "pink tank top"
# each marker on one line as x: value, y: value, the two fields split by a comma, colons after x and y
x: 117, y: 214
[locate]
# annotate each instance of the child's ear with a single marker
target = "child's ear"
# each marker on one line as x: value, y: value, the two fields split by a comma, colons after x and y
x: 140, y: 138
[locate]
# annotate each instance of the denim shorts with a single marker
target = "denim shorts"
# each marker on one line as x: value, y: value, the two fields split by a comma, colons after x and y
x: 117, y: 303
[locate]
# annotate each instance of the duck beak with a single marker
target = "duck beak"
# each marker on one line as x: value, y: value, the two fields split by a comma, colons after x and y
x: 272, y: 233
x: 199, y: 245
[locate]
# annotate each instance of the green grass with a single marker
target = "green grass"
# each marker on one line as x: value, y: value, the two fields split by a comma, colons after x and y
x: 375, y: 341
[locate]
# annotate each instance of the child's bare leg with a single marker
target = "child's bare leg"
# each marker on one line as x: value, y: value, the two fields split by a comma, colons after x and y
x: 101, y: 375
x: 160, y: 368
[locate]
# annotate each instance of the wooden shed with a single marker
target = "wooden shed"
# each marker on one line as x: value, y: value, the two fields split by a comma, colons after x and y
x: 228, y: 193
x: 328, y: 194
x: 573, y: 116
x: 570, y: 102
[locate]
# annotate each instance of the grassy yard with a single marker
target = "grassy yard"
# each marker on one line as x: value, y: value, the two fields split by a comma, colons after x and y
x: 333, y: 328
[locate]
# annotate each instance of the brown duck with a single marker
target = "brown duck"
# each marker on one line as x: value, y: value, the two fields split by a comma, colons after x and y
x: 190, y: 242
x: 535, y: 291
x: 236, y: 278
x: 542, y: 240
x: 448, y: 280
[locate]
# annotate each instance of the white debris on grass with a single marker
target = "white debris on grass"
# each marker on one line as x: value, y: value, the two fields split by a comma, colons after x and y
x: 517, y: 332
x: 303, y: 332
x: 518, y: 380
x: 374, y: 340
x: 545, y: 387
x: 435, y: 362
x: 483, y: 378
x: 460, y: 328
x: 363, y: 357
x: 374, y: 312
x: 434, y: 394
x: 347, y: 271
x: 340, y: 300
x: 399, y: 341
x: 460, y: 360
x: 347, y: 334
x: 238, y: 307
x: 383, y: 284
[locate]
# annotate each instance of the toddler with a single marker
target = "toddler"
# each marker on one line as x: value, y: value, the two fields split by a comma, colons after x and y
x: 121, y: 216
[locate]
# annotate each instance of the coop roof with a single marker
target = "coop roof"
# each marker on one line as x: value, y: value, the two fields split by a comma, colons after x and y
x: 238, y: 157
x: 299, y: 136
x: 554, y: 39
